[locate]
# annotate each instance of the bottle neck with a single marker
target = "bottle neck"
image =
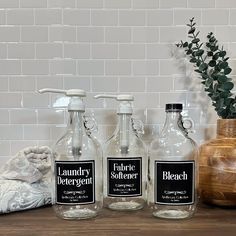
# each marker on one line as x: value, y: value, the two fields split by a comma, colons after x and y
x: 75, y: 120
x: 173, y: 121
x: 124, y: 132
x: 76, y: 128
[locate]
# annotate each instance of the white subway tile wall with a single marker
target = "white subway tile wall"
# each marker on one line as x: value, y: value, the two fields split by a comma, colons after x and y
x: 102, y: 46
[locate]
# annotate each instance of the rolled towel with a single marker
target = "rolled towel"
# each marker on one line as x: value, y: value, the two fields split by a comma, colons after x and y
x: 17, y: 195
x: 30, y: 164
x: 25, y: 180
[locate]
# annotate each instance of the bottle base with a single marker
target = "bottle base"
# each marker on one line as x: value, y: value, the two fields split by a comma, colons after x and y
x: 125, y: 206
x: 77, y: 214
x: 172, y: 214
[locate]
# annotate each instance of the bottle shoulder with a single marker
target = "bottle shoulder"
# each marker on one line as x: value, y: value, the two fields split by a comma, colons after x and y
x: 136, y: 147
x: 172, y: 138
x: 114, y: 140
x: 176, y: 147
x: 89, y: 146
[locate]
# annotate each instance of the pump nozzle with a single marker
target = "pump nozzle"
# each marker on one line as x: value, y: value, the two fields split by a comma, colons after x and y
x: 69, y: 93
x: 125, y: 100
x: 119, y: 97
x: 76, y: 105
x: 124, y: 111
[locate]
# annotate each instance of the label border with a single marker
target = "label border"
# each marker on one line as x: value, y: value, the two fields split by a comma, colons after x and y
x: 155, y: 183
x: 141, y: 174
x: 76, y: 162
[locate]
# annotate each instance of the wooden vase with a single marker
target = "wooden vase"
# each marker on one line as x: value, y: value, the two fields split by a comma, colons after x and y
x: 217, y: 166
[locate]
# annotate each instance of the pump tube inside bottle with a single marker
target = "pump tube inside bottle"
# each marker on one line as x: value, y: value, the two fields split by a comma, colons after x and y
x: 76, y: 123
x: 124, y: 133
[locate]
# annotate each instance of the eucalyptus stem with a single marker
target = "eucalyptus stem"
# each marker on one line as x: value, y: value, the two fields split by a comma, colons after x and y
x: 212, y: 66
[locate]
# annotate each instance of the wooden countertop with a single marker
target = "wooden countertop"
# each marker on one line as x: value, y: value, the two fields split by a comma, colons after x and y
x: 210, y: 221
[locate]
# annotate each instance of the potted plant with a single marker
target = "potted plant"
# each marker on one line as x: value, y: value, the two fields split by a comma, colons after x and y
x: 217, y: 161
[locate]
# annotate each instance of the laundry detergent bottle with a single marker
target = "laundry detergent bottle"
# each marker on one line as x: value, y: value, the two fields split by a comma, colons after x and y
x: 77, y: 164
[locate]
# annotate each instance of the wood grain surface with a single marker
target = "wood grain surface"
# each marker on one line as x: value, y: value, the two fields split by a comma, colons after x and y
x: 207, y: 221
x: 217, y: 166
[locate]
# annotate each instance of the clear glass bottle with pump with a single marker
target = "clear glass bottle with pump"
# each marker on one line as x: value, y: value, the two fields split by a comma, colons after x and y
x: 173, y: 169
x: 125, y: 160
x: 77, y: 164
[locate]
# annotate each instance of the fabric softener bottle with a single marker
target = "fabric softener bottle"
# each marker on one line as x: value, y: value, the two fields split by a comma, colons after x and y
x: 77, y: 164
x: 124, y: 161
x: 173, y: 169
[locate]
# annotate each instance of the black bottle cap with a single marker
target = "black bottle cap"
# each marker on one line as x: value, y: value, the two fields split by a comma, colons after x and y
x: 174, y: 107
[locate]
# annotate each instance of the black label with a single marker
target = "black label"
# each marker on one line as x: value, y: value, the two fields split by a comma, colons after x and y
x: 75, y: 182
x: 124, y: 177
x: 174, y: 182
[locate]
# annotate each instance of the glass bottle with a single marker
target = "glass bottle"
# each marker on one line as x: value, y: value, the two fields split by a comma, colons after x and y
x: 124, y: 161
x: 77, y: 165
x: 173, y: 169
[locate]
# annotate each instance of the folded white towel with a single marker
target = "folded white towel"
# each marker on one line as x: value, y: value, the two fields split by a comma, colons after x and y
x: 25, y: 180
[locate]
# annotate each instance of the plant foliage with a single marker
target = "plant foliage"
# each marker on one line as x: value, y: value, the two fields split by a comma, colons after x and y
x: 211, y: 64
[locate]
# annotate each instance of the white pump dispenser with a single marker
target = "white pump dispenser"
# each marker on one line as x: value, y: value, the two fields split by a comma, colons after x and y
x: 77, y: 164
x: 124, y: 161
x: 76, y: 103
x: 124, y: 109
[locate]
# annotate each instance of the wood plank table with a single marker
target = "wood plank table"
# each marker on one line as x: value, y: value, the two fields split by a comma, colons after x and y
x: 209, y: 221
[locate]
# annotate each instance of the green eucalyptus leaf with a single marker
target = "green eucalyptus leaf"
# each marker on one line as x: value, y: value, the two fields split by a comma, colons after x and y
x: 209, y: 54
x: 222, y: 78
x: 198, y: 71
x: 212, y: 63
x: 204, y: 76
x: 222, y: 113
x: 199, y: 52
x: 220, y: 89
x: 209, y: 35
x: 196, y: 40
x: 217, y: 68
x: 198, y: 63
x: 225, y: 94
x: 209, y: 82
x: 215, y: 96
x: 228, y: 101
x: 214, y: 48
x: 190, y: 45
x: 215, y: 56
x: 215, y: 87
x: 233, y: 109
x: 193, y: 60
x: 185, y: 44
x: 203, y: 66
x: 222, y: 53
x: 212, y: 39
x: 223, y: 65
x: 188, y: 52
x: 191, y: 31
x: 227, y: 70
x: 228, y: 85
